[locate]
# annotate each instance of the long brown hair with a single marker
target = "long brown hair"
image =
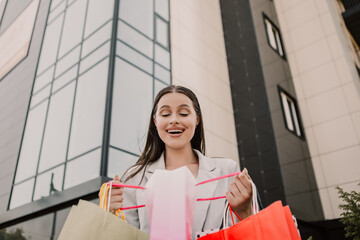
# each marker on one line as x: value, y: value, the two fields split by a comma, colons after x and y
x: 154, y: 146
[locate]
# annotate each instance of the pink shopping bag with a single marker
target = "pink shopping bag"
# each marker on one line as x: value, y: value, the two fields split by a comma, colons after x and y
x: 171, y: 203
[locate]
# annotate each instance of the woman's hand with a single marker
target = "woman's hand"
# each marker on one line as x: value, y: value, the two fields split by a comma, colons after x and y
x: 240, y: 195
x: 116, y: 196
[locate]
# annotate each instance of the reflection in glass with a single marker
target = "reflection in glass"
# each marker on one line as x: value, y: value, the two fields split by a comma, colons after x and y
x: 162, y: 74
x: 50, y: 44
x: 119, y: 162
x: 162, y: 32
x: 57, y: 128
x: 35, y: 229
x: 41, y: 95
x: 162, y: 8
x: 73, y: 26
x: 67, y: 61
x: 141, y: 18
x: 135, y: 39
x: 162, y: 56
x: 134, y: 57
x: 96, y: 39
x: 22, y: 193
x: 49, y: 182
x: 97, y: 14
x: 131, y: 107
x: 83, y: 169
x: 30, y: 147
x: 88, y: 120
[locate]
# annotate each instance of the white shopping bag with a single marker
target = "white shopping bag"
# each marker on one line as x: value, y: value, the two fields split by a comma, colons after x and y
x: 171, y: 203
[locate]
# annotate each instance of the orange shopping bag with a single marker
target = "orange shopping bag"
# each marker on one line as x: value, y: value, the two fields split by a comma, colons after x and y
x: 273, y: 222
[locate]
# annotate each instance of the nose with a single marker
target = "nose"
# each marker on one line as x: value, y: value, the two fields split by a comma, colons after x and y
x: 174, y: 119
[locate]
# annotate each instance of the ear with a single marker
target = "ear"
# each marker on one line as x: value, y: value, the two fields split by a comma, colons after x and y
x: 197, y: 120
x: 154, y: 119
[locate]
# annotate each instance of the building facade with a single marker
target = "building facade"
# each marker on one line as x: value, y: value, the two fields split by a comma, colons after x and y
x: 277, y: 81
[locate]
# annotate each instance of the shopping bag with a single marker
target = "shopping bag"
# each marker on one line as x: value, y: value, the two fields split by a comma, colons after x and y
x: 273, y: 222
x: 87, y: 221
x: 171, y: 203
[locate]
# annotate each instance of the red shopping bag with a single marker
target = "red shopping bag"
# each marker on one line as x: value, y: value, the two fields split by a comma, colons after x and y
x: 273, y: 222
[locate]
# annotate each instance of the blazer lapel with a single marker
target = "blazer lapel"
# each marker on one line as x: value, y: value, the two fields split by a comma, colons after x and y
x: 207, y: 170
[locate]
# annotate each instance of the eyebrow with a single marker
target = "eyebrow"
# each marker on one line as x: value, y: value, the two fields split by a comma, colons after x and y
x: 167, y: 106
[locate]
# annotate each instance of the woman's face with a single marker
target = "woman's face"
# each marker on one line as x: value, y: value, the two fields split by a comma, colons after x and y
x: 176, y: 120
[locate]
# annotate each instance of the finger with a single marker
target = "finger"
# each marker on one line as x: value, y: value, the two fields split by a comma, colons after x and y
x: 244, y: 180
x: 116, y: 191
x: 246, y: 173
x: 117, y: 199
x: 234, y: 190
x: 244, y: 190
x: 230, y: 197
x: 115, y: 206
x: 116, y: 178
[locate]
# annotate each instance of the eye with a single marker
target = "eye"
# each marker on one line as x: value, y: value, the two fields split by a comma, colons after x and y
x: 165, y: 114
x: 184, y: 114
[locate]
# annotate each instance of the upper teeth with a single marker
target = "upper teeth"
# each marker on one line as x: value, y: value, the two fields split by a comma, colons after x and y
x: 175, y: 131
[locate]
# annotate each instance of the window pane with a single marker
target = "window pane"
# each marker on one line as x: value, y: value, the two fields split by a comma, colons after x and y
x: 35, y: 229
x: 287, y: 113
x: 134, y: 57
x: 130, y: 112
x: 162, y: 34
x: 41, y: 95
x: 141, y: 18
x: 22, y: 193
x: 270, y: 34
x: 83, y: 169
x: 135, y: 39
x: 43, y: 181
x: 30, y: 147
x: 162, y: 74
x: 61, y: 217
x: 65, y: 78
x: 162, y: 8
x: 67, y: 61
x: 158, y: 86
x: 97, y: 14
x: 95, y: 57
x: 162, y: 56
x: 57, y: 128
x: 73, y: 26
x: 278, y: 42
x: 56, y: 12
x: 119, y: 162
x: 43, y: 79
x: 96, y: 39
x: 50, y: 44
x: 296, y: 121
x: 89, y: 110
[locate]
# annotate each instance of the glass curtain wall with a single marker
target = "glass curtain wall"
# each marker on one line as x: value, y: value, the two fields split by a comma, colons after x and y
x: 62, y: 140
x: 64, y: 130
x: 142, y: 68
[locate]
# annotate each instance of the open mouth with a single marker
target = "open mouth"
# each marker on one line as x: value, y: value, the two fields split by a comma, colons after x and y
x: 175, y: 131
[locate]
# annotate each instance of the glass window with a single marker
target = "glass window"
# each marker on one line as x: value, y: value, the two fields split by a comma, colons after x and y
x: 35, y: 229
x: 141, y: 18
x: 290, y: 112
x: 119, y: 162
x: 22, y: 193
x: 66, y: 77
x: 135, y: 39
x: 57, y: 128
x: 162, y: 32
x: 131, y: 107
x: 162, y: 73
x: 162, y: 8
x: 56, y: 11
x: 41, y: 95
x: 273, y: 36
x: 162, y: 56
x: 158, y: 86
x: 134, y: 57
x: 49, y: 182
x: 96, y: 39
x: 67, y: 61
x: 30, y: 147
x: 56, y: 3
x: 88, y: 120
x: 97, y: 14
x: 61, y: 217
x: 83, y: 169
x: 43, y: 79
x: 73, y: 26
x: 95, y: 57
x: 50, y: 44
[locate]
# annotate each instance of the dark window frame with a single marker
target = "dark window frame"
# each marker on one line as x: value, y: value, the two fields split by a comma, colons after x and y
x: 274, y: 27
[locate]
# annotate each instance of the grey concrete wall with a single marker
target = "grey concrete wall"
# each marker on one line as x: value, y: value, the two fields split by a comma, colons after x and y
x: 15, y: 90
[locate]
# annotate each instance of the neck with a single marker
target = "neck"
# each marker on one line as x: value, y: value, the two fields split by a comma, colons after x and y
x: 175, y: 158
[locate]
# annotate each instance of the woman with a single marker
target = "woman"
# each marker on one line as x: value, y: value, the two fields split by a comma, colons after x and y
x: 176, y: 138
